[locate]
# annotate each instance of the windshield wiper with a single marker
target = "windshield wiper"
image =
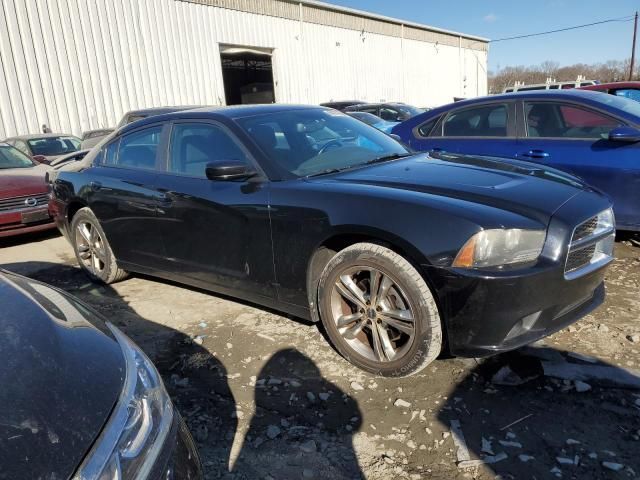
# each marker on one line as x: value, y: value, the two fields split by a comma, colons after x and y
x: 327, y: 171
x: 386, y: 158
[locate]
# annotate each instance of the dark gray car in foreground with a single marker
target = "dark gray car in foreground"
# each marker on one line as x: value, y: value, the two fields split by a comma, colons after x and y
x: 78, y: 398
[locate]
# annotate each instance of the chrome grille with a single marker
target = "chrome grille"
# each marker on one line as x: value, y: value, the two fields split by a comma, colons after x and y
x: 24, y: 202
x: 585, y: 229
x: 591, y: 245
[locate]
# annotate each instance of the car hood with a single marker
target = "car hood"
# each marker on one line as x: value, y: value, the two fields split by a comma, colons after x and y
x: 519, y: 187
x: 60, y: 379
x: 15, y: 182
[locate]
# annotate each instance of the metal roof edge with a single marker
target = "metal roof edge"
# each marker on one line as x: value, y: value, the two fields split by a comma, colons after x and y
x: 384, y: 18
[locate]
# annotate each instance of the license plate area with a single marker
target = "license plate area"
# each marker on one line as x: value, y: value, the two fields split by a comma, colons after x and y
x: 37, y: 216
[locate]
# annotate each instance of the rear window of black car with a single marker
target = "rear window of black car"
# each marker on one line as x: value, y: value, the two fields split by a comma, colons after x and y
x: 136, y: 150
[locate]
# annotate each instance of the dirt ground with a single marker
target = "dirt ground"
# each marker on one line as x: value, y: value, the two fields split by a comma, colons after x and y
x: 267, y: 398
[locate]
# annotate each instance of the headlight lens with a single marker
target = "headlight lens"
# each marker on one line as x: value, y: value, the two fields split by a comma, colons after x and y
x: 136, y: 431
x: 493, y: 248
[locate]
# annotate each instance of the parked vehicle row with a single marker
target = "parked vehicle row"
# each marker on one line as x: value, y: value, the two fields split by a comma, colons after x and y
x: 592, y: 135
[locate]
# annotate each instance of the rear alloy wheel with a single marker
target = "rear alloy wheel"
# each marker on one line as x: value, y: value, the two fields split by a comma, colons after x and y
x: 92, y: 249
x: 378, y: 311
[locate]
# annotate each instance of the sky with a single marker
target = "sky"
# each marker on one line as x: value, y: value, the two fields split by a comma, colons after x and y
x: 495, y: 19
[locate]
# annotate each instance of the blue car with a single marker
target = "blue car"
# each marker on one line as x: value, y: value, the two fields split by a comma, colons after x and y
x: 373, y: 120
x: 592, y: 135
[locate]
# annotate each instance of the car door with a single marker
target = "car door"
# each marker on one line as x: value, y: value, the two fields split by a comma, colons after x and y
x: 575, y: 138
x: 215, y: 232
x: 485, y: 129
x: 121, y: 191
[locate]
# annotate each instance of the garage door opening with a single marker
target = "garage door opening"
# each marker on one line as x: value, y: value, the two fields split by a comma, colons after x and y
x: 247, y: 74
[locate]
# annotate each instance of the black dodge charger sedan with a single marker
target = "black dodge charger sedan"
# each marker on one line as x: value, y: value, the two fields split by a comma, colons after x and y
x: 79, y: 399
x: 309, y: 211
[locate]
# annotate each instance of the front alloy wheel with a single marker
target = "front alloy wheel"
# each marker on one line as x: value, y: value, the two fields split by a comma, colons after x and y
x: 378, y: 311
x: 372, y: 314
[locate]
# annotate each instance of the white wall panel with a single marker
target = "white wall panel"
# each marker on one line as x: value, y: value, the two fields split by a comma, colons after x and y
x: 80, y: 64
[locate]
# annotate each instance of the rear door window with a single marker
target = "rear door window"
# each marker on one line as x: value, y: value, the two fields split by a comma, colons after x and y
x: 555, y: 120
x: 136, y: 150
x: 481, y: 121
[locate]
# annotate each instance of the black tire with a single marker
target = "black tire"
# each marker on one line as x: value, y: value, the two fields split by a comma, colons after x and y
x: 419, y: 350
x: 107, y: 270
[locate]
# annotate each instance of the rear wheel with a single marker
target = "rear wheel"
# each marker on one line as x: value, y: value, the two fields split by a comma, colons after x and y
x: 378, y: 311
x: 92, y: 248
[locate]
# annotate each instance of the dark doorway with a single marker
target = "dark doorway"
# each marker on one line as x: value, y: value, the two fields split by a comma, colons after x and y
x: 247, y: 75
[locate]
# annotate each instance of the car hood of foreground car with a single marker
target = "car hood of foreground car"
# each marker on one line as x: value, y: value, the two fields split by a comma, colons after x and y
x: 524, y: 188
x: 15, y: 182
x: 60, y: 378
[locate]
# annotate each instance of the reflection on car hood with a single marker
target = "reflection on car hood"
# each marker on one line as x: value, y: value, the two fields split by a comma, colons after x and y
x: 520, y: 187
x: 60, y: 378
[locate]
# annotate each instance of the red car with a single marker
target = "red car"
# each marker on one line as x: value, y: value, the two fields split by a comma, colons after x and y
x: 24, y: 196
x: 621, y: 89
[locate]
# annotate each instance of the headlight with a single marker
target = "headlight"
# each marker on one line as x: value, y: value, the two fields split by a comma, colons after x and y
x: 135, y: 433
x: 492, y: 248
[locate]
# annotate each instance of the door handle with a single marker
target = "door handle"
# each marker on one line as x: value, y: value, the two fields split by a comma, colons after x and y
x: 535, y: 154
x: 95, y: 186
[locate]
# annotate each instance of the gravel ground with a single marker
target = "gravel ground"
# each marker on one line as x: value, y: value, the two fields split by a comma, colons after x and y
x: 267, y: 398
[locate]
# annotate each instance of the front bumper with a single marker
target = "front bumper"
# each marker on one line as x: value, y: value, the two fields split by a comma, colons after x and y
x: 179, y: 457
x: 485, y: 314
x: 491, y: 312
x: 11, y: 223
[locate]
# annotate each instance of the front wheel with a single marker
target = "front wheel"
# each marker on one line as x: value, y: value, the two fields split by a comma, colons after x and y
x: 378, y: 311
x: 92, y: 248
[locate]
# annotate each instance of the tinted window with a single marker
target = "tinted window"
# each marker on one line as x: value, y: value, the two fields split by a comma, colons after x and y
x: 631, y: 93
x: 425, y: 128
x: 136, y: 150
x: 555, y: 120
x: 49, y: 146
x: 194, y: 145
x: 484, y: 121
x: 318, y: 140
x: 528, y: 89
x: 373, y: 110
x: 391, y: 115
x: 111, y: 153
x: 368, y: 118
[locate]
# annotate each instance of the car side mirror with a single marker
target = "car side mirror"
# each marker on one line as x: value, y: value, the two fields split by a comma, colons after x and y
x: 39, y: 159
x: 229, y: 170
x: 624, y: 134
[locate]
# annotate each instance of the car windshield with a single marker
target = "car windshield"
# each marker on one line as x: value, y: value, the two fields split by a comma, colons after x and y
x: 11, y: 157
x: 50, y: 146
x: 409, y: 110
x: 316, y: 141
x: 368, y: 118
x: 625, y: 104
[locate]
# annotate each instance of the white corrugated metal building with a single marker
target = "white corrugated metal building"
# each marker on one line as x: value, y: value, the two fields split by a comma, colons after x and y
x: 76, y: 65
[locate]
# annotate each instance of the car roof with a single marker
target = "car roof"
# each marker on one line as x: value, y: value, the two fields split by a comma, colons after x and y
x: 574, y: 93
x: 231, y: 112
x: 34, y: 136
x: 161, y: 110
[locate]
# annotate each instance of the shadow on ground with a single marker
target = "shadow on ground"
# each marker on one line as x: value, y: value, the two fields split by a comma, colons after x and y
x: 290, y: 435
x: 544, y: 413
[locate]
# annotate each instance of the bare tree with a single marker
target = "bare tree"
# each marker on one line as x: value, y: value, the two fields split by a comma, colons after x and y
x: 609, y: 71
